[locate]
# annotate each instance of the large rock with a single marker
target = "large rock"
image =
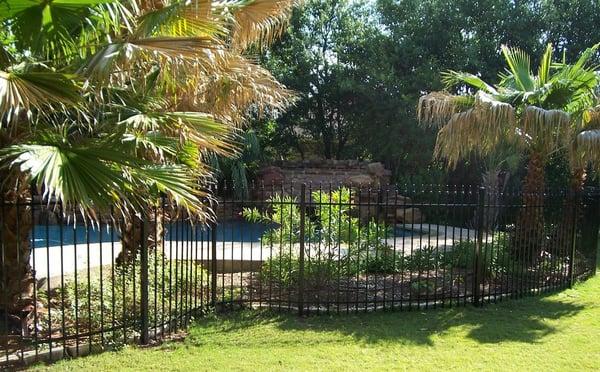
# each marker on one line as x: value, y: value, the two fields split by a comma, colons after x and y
x: 272, y: 176
x: 376, y: 170
x: 410, y: 215
x: 360, y: 180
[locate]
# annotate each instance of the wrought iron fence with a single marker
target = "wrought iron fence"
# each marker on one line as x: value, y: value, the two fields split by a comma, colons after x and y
x: 71, y: 285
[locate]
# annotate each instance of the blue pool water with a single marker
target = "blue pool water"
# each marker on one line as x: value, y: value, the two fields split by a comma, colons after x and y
x: 402, y: 233
x: 229, y: 231
x: 234, y: 231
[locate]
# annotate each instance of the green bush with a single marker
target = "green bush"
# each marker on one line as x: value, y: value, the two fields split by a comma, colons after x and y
x: 426, y: 258
x: 495, y: 255
x: 91, y: 307
x: 339, y: 244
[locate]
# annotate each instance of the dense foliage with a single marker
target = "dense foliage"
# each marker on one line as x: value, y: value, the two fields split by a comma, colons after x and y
x: 361, y: 67
x: 113, y: 300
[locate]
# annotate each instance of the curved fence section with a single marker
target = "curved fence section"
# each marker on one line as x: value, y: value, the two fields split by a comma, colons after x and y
x: 71, y: 285
x: 347, y: 249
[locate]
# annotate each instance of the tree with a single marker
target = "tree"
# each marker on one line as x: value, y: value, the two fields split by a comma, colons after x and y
x: 316, y: 59
x: 387, y: 53
x: 108, y: 104
x: 538, y: 110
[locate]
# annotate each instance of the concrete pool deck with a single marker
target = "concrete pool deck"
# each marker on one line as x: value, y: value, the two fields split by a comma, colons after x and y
x: 231, y: 256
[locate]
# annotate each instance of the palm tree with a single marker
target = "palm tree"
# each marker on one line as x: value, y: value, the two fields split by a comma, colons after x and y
x: 114, y: 104
x: 538, y: 110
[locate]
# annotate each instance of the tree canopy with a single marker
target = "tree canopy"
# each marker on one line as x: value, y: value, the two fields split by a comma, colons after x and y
x: 360, y: 67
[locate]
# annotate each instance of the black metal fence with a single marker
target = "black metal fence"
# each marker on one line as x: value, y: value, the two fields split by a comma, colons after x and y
x: 72, y: 286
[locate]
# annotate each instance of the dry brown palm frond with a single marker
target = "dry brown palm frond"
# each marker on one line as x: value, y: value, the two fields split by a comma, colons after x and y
x: 178, y: 57
x: 463, y: 136
x: 183, y: 47
x: 546, y: 129
x: 435, y: 109
x: 476, y: 130
x: 485, y: 122
x: 588, y: 149
x: 493, y: 112
x: 232, y: 91
x: 260, y: 21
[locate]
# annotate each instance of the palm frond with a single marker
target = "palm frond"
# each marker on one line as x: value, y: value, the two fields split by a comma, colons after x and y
x: 39, y: 91
x: 545, y: 65
x: 239, y: 86
x: 496, y: 114
x: 171, y: 53
x: 68, y: 175
x: 48, y: 27
x: 95, y: 177
x: 588, y: 148
x: 177, y: 182
x: 436, y: 108
x: 519, y: 65
x: 453, y: 78
x: 203, y: 130
x: 259, y: 21
x: 457, y: 140
x: 181, y: 19
x: 546, y: 129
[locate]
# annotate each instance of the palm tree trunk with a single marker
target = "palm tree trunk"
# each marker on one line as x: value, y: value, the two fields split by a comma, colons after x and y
x: 16, y: 292
x: 571, y: 213
x: 134, y: 232
x: 491, y: 182
x: 529, y: 236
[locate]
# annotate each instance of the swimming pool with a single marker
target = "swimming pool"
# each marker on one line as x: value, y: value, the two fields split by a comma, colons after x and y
x: 228, y: 231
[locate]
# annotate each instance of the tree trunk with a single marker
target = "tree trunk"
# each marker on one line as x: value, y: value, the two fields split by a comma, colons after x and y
x: 494, y: 181
x: 16, y: 292
x: 134, y: 232
x: 529, y: 236
x: 563, y: 235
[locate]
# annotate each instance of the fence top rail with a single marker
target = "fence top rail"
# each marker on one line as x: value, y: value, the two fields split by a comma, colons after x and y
x: 419, y: 193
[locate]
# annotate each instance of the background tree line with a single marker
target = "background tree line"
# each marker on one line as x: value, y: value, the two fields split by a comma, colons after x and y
x: 361, y: 66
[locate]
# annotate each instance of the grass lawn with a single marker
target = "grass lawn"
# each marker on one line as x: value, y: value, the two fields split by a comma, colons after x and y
x: 556, y: 332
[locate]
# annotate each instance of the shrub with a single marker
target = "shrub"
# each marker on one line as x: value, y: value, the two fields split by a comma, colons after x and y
x: 426, y: 258
x: 340, y: 245
x: 91, y: 307
x: 495, y: 255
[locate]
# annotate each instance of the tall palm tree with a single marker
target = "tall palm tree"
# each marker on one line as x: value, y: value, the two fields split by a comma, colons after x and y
x: 115, y: 103
x: 539, y: 110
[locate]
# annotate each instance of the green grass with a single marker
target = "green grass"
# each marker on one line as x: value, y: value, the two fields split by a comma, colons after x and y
x: 556, y: 332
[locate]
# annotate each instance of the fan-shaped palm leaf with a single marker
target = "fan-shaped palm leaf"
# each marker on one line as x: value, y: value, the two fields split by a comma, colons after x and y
x: 259, y: 21
x: 96, y: 177
x: 47, y: 26
x: 519, y: 65
x: 36, y: 90
x: 181, y: 18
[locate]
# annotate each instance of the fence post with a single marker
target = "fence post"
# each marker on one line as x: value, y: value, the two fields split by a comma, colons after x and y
x: 595, y: 224
x: 302, y: 238
x: 576, y: 200
x: 213, y: 264
x: 477, y: 272
x: 144, y: 283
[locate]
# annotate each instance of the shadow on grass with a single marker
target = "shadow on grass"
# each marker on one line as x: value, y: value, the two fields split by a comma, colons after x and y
x: 514, y: 320
x: 525, y: 320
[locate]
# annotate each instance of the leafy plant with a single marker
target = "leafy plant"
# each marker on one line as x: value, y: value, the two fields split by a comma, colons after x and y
x: 93, y: 306
x: 496, y: 255
x: 338, y: 244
